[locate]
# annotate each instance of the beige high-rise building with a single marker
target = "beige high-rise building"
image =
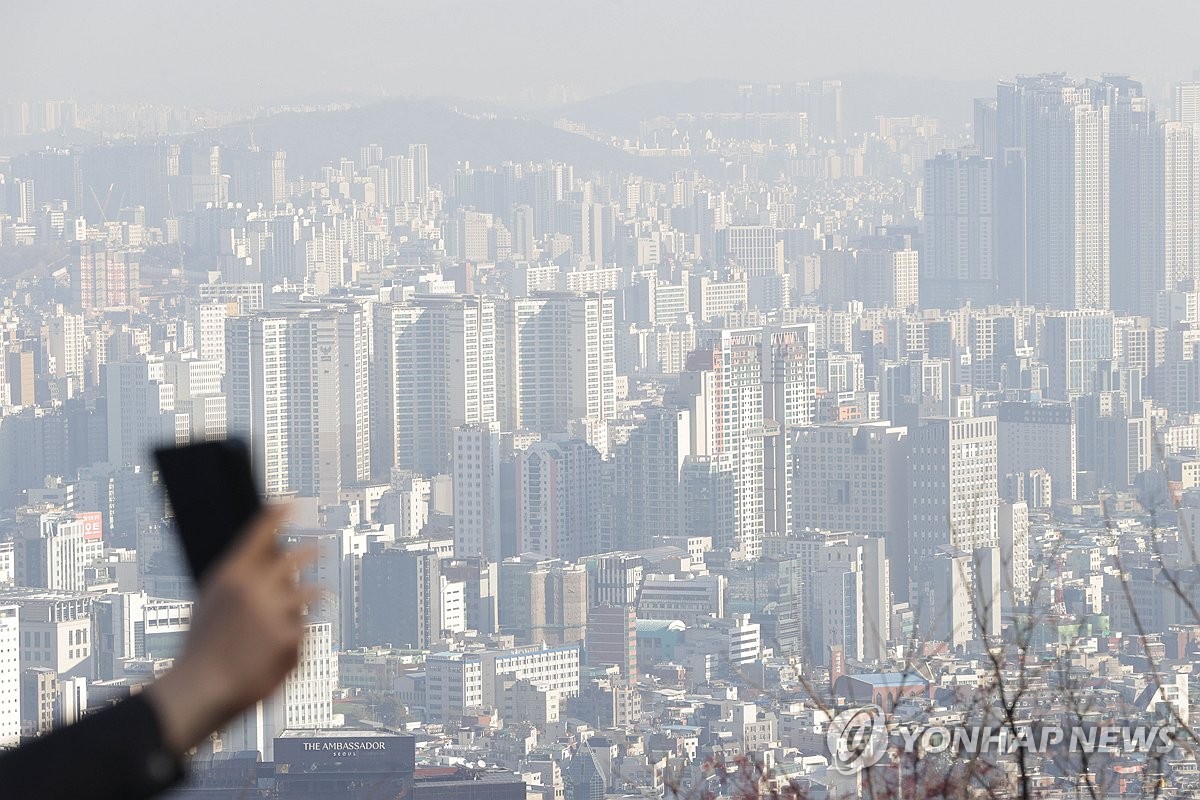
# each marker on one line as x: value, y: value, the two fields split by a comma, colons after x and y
x: 854, y: 477
x: 889, y: 277
x: 10, y: 676
x: 723, y: 386
x: 953, y: 502
x: 557, y: 357
x: 297, y: 391
x: 435, y: 369
x: 1181, y: 182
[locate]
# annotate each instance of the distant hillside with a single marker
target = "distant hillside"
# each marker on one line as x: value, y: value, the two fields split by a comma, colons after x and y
x: 17, y: 145
x: 314, y: 139
x: 863, y: 98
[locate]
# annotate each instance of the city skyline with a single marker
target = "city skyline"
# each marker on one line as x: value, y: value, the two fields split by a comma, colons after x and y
x: 639, y: 442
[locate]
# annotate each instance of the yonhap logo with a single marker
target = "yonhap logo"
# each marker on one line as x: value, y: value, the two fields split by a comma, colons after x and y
x: 857, y: 739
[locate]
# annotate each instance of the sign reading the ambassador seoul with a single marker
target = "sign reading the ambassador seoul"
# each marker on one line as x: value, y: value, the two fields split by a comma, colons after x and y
x: 351, y: 747
x: 346, y: 753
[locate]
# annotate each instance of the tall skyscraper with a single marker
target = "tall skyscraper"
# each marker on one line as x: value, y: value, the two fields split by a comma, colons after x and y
x: 789, y: 402
x: 855, y: 478
x: 1187, y: 102
x: 1062, y: 128
x: 10, y: 676
x: 647, y: 471
x: 419, y: 155
x: 959, y: 206
x: 1136, y: 195
x: 141, y: 410
x: 297, y: 390
x: 476, y: 472
x: 789, y: 374
x: 1181, y: 228
x: 435, y: 369
x: 559, y: 360
x: 888, y: 276
x: 558, y: 499
x: 725, y: 385
x: 953, y: 500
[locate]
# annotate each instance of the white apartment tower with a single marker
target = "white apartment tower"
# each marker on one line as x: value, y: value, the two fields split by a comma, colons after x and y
x: 725, y: 385
x: 559, y: 360
x: 435, y: 370
x: 476, y: 473
x: 297, y: 390
x: 10, y: 676
x: 1181, y: 228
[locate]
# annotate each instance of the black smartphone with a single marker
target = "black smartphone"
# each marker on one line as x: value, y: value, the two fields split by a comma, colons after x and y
x: 213, y: 496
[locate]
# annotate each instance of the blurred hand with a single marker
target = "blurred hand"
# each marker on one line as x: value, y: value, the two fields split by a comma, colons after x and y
x: 245, y: 637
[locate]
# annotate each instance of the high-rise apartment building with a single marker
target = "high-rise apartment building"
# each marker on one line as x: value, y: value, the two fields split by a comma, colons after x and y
x: 476, y: 473
x: 105, y: 278
x: 647, y: 471
x: 297, y: 391
x: 724, y: 384
x: 959, y: 207
x: 10, y: 676
x: 558, y: 499
x: 789, y: 374
x: 559, y: 360
x: 888, y: 277
x: 336, y: 567
x: 1136, y: 195
x: 1187, y: 102
x: 141, y: 410
x: 1181, y: 211
x: 1061, y: 128
x: 435, y: 369
x: 418, y: 154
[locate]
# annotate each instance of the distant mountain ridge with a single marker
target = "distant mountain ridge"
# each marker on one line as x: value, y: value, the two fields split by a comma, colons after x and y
x: 315, y: 139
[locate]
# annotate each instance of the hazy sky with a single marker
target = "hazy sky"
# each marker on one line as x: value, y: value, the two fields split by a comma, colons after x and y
x: 227, y: 51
